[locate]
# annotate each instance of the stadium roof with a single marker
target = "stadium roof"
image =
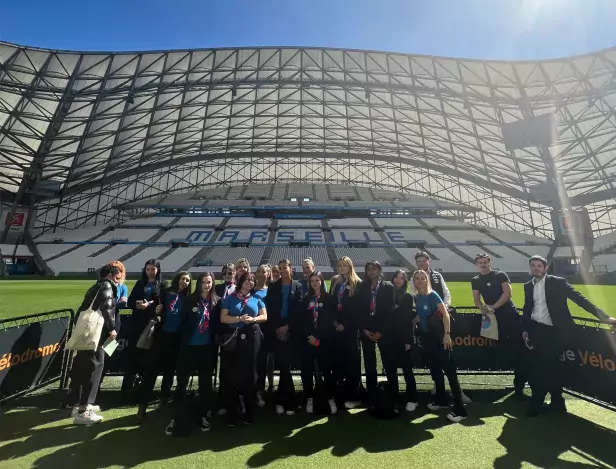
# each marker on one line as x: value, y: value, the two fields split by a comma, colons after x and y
x: 89, y: 128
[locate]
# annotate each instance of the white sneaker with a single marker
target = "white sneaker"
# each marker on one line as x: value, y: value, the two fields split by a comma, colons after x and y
x: 434, y: 406
x: 260, y: 400
x: 93, y: 408
x: 310, y: 406
x: 333, y: 408
x: 455, y: 418
x: 169, y: 428
x: 242, y: 406
x: 411, y: 406
x: 352, y: 404
x: 87, y: 418
x: 205, y: 425
x: 466, y: 399
x: 290, y: 412
x: 222, y: 411
x: 433, y: 390
x: 279, y: 410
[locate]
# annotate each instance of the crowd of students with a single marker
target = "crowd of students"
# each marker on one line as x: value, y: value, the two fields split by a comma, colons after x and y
x: 255, y: 323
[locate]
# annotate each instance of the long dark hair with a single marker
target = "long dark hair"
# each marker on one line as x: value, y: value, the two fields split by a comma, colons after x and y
x: 311, y: 291
x: 377, y: 264
x: 400, y: 292
x: 214, y: 298
x: 175, y: 284
x: 159, y: 275
x: 240, y: 281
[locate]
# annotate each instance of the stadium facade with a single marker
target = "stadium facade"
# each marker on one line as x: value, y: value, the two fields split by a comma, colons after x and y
x: 82, y: 133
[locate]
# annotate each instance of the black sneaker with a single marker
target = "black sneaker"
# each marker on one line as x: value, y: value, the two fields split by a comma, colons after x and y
x: 205, y: 425
x: 434, y: 406
x: 455, y: 417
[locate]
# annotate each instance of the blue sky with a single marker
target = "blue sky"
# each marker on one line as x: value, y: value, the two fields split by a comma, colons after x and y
x: 488, y: 29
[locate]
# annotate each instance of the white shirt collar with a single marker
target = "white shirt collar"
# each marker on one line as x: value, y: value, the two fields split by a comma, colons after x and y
x: 535, y: 281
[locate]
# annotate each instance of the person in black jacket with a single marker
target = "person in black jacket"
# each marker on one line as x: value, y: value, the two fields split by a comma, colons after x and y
x: 347, y: 356
x: 315, y: 328
x: 145, y: 296
x: 163, y: 355
x: 283, y: 302
x: 376, y: 304
x: 547, y: 324
x: 201, y: 310
x: 88, y: 365
x: 404, y: 337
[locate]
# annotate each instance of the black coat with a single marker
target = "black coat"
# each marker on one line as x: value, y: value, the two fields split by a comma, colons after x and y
x: 220, y: 289
x: 557, y: 292
x: 382, y: 320
x: 348, y: 316
x: 189, y: 319
x: 273, y: 304
x: 403, y: 319
x: 141, y: 317
x: 102, y: 297
x: 325, y: 322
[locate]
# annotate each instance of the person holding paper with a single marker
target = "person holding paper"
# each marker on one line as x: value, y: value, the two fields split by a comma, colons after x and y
x: 88, y: 365
x: 315, y: 329
x: 494, y: 287
x: 547, y: 325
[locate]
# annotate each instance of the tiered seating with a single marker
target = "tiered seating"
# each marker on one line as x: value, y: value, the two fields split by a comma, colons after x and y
x: 411, y: 235
x: 447, y: 260
x: 604, y: 241
x: 362, y: 255
x: 299, y: 223
x: 136, y: 263
x: 297, y: 255
x: 608, y: 260
x: 367, y: 235
x: 178, y: 233
x: 9, y: 249
x: 81, y: 234
x: 178, y: 257
x: 440, y: 222
x: 149, y: 221
x: 463, y: 236
x: 514, y: 237
x: 397, y: 222
x: 199, y: 222
x: 350, y: 222
x: 223, y: 255
x: 248, y: 221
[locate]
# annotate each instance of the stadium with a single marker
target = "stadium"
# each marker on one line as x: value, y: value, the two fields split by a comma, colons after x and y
x: 201, y: 157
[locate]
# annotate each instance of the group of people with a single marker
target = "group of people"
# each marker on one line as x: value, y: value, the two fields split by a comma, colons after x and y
x: 255, y: 323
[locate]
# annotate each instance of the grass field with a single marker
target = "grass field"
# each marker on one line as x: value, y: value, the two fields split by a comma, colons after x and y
x: 20, y: 297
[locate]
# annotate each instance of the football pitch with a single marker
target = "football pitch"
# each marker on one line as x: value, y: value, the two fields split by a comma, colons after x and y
x: 34, y: 433
x: 21, y: 297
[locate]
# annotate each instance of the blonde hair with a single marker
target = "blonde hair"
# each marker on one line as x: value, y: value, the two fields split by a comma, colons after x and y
x: 354, y: 279
x: 241, y: 261
x: 268, y: 277
x: 428, y: 286
x: 120, y: 266
x: 308, y: 261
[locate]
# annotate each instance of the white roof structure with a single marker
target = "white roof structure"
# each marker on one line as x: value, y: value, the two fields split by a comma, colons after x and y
x: 81, y: 133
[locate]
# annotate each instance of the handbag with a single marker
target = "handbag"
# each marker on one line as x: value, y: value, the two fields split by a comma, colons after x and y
x: 88, y: 329
x: 489, y: 326
x: 146, y: 339
x: 229, y: 340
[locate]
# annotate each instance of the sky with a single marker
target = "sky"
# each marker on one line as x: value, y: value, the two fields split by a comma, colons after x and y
x: 483, y: 29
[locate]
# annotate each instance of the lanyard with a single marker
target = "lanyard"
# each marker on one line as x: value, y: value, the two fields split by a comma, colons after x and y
x: 173, y: 303
x: 228, y: 289
x: 375, y: 292
x: 204, y: 322
x: 315, y: 311
x: 340, y: 294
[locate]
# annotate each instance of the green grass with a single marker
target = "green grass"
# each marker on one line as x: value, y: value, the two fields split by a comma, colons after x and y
x: 35, y: 434
x: 20, y: 297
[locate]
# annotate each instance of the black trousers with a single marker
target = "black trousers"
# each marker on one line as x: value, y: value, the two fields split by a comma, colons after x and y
x: 511, y: 343
x: 405, y: 361
x: 440, y: 362
x: 134, y: 361
x: 389, y: 363
x: 283, y: 360
x: 163, y: 358
x: 322, y: 356
x: 238, y: 371
x: 265, y: 362
x: 347, y: 363
x: 548, y: 343
x: 195, y: 359
x: 86, y: 375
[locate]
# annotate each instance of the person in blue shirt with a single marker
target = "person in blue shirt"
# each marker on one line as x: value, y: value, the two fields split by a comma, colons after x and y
x: 283, y: 302
x: 242, y: 313
x: 163, y: 354
x: 145, y: 296
x: 265, y: 358
x: 197, y: 329
x: 434, y: 335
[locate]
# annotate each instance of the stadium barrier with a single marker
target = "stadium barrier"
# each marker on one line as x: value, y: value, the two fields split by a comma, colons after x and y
x: 32, y: 351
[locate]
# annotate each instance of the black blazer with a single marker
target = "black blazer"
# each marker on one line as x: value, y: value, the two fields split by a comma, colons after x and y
x: 220, y: 289
x: 189, y: 319
x: 382, y: 321
x: 348, y: 316
x: 557, y: 292
x: 403, y: 320
x: 141, y: 317
x: 325, y: 322
x: 273, y: 304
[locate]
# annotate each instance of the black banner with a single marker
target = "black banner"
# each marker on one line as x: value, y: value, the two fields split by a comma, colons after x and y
x: 113, y: 364
x: 31, y: 354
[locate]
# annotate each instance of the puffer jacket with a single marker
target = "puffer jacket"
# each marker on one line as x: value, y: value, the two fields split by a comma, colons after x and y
x: 103, y: 294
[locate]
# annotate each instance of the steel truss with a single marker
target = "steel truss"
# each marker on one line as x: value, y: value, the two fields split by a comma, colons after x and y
x: 112, y: 128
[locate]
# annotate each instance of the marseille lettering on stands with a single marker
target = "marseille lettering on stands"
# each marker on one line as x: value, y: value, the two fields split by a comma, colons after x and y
x: 284, y: 236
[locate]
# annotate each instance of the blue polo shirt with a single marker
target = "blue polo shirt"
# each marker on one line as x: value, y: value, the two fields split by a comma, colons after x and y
x: 234, y: 305
x: 426, y: 305
x: 199, y: 336
x: 260, y: 293
x: 173, y: 308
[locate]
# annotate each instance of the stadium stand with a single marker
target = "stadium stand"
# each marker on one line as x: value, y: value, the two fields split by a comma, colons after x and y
x: 604, y: 242
x: 362, y: 255
x: 466, y: 236
x: 219, y: 256
x: 297, y: 255
x: 397, y: 222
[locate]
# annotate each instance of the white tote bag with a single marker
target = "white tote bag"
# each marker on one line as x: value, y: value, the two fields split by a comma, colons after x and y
x: 87, y: 332
x: 489, y: 326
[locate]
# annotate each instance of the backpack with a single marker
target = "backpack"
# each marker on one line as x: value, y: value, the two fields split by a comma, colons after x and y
x: 384, y: 405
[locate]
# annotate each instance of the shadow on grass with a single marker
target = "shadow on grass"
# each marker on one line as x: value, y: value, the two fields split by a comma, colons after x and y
x: 118, y: 441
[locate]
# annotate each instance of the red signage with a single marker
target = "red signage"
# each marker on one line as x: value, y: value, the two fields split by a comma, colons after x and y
x: 18, y: 219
